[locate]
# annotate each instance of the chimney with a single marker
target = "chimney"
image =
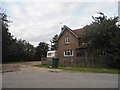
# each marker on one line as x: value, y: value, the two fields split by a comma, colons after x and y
x: 62, y: 29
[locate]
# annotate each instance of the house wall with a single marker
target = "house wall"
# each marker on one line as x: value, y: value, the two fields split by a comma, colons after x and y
x: 71, y: 46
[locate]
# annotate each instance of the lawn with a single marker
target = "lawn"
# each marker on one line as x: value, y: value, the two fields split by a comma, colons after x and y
x: 44, y: 65
x: 91, y: 69
x: 85, y: 69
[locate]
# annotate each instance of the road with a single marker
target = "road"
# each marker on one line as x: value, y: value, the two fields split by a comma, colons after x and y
x: 31, y: 78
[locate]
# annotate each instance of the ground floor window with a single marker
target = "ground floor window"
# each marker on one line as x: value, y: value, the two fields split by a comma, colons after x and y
x: 68, y: 53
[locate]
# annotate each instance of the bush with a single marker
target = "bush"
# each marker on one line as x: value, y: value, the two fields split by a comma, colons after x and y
x: 112, y: 61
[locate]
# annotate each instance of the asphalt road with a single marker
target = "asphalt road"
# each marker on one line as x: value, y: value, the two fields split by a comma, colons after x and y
x: 65, y: 79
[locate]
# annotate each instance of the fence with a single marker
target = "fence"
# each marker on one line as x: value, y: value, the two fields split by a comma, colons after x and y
x: 76, y: 61
x: 45, y: 60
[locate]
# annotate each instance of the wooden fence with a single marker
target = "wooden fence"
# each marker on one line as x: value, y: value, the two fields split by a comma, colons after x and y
x: 77, y: 61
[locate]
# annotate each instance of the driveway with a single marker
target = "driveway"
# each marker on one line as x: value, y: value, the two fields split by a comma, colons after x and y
x: 34, y: 77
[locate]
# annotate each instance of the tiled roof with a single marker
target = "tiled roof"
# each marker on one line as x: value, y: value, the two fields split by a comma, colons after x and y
x: 78, y: 32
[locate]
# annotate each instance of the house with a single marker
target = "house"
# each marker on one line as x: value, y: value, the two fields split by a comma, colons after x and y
x: 69, y: 46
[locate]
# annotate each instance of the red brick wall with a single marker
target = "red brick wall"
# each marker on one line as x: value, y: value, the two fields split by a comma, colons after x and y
x: 71, y: 46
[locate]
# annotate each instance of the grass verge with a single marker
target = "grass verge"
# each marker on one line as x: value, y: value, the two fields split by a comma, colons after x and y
x: 85, y: 69
x: 91, y: 69
x: 44, y: 65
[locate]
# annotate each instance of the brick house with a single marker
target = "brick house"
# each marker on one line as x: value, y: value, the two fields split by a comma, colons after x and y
x: 69, y: 46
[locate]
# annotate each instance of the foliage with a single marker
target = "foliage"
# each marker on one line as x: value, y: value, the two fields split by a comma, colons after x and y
x: 13, y: 49
x: 54, y: 44
x: 83, y: 69
x: 102, y: 39
x: 18, y: 50
x: 7, y: 38
x: 41, y: 50
x: 26, y: 50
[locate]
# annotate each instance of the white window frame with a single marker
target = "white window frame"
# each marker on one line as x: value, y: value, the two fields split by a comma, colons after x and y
x: 67, y: 40
x: 68, y: 53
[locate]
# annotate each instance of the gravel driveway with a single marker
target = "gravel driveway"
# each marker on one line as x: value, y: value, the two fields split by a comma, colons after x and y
x: 34, y: 77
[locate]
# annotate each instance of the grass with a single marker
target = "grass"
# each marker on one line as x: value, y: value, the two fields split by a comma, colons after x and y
x: 44, y: 65
x: 85, y: 69
x: 91, y: 69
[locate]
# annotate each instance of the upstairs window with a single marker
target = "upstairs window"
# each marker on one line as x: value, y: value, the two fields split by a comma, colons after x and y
x: 67, y: 40
x: 68, y: 53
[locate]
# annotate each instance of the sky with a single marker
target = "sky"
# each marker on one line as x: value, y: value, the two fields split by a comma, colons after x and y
x: 38, y: 21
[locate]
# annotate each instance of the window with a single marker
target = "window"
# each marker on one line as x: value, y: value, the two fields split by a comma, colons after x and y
x: 68, y: 53
x: 67, y: 40
x: 49, y: 54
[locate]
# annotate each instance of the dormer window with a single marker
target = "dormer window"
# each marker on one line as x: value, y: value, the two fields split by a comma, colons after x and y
x: 67, y: 40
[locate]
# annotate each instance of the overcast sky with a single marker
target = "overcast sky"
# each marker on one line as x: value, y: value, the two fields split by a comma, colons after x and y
x: 37, y: 21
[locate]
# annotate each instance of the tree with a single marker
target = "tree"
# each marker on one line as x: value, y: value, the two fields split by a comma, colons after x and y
x: 54, y: 44
x: 26, y: 50
x: 30, y: 51
x: 13, y: 49
x: 41, y: 50
x: 102, y: 39
x: 7, y: 38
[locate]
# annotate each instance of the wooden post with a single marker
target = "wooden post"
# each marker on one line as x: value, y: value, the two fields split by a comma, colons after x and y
x: 86, y: 59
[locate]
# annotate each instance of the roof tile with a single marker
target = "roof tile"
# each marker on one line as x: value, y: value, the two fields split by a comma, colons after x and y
x: 78, y: 32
